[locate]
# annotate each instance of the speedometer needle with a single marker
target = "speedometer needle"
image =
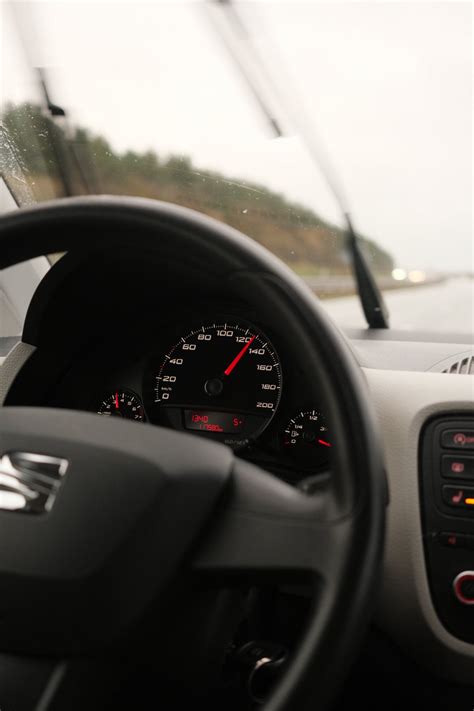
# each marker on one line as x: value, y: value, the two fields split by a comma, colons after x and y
x: 239, y: 355
x: 116, y: 401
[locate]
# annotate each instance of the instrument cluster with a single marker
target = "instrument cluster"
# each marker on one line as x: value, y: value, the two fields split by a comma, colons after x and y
x: 224, y: 379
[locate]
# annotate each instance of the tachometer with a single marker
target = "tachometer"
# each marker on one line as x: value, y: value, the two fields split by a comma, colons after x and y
x: 221, y: 378
x: 122, y: 403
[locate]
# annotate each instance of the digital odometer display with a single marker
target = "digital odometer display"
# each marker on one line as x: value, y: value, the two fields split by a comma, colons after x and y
x: 224, y: 422
x: 226, y: 372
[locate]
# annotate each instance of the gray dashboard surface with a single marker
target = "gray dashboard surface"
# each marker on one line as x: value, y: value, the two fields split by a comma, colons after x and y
x: 387, y: 349
x: 407, y: 355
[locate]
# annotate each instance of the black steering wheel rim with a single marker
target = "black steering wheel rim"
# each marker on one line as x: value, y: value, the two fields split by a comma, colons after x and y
x: 358, y: 496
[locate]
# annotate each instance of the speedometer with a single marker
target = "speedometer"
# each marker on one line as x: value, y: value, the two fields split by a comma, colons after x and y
x: 220, y: 378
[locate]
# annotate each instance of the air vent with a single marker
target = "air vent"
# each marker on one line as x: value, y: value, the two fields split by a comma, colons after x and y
x: 460, y: 363
x: 464, y: 366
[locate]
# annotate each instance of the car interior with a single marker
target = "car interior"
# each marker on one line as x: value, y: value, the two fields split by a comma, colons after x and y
x: 211, y: 493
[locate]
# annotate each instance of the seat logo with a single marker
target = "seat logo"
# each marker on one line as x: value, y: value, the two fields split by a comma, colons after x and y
x: 29, y: 482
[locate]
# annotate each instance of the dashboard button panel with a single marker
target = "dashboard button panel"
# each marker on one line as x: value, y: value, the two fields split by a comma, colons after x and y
x: 447, y: 504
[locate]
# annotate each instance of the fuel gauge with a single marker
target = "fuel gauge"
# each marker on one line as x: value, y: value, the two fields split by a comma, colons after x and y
x: 307, y: 437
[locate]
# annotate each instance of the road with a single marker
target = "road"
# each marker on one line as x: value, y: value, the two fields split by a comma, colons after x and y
x: 447, y: 306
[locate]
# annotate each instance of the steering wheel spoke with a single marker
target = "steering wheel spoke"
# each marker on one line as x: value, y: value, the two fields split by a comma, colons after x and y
x: 268, y: 528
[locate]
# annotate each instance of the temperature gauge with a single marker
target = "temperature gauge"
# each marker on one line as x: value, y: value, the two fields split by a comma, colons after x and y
x: 307, y: 437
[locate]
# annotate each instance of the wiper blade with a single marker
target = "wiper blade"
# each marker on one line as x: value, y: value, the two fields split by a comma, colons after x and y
x: 67, y: 158
x: 68, y: 162
x: 233, y: 32
x: 21, y: 17
x: 57, y: 139
x: 269, y: 98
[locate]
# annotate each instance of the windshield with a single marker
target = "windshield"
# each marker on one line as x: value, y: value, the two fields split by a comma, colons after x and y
x: 157, y: 105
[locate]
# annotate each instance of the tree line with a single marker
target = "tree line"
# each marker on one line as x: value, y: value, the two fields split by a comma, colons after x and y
x: 290, y: 230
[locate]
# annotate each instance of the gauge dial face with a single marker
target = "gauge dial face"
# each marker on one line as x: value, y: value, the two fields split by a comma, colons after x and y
x: 307, y: 436
x: 222, y: 378
x: 122, y: 403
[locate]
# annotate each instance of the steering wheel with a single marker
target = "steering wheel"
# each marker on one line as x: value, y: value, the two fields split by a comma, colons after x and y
x: 126, y: 507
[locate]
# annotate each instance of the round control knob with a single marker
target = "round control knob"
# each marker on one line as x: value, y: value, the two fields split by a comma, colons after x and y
x: 463, y: 586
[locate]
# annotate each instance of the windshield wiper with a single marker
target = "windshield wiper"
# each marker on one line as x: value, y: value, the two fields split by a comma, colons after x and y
x: 69, y: 164
x: 371, y: 299
x: 270, y: 99
x: 57, y: 138
x: 67, y: 158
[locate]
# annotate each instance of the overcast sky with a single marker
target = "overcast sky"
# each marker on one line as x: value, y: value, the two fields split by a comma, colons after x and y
x: 387, y: 86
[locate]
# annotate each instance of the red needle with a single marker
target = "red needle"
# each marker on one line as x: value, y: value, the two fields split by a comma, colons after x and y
x: 326, y: 444
x: 240, y: 355
x: 116, y: 401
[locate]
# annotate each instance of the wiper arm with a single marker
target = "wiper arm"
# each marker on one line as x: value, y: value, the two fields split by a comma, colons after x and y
x: 69, y: 164
x: 57, y: 138
x: 64, y: 149
x: 268, y: 96
x: 371, y: 299
x: 54, y: 109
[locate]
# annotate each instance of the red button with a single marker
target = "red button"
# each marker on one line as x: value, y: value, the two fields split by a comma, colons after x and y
x: 459, y: 496
x: 461, y: 467
x: 452, y: 540
x: 458, y: 439
x: 463, y: 586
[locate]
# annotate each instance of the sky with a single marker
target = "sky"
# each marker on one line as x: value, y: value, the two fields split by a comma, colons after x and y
x: 383, y: 89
